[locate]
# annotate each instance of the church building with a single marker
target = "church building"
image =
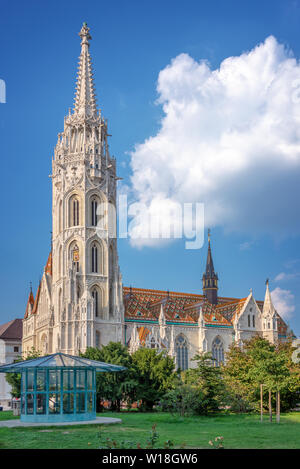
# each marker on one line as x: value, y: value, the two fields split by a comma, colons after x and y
x: 81, y: 301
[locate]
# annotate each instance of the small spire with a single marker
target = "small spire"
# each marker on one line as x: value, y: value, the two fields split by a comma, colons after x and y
x: 268, y: 307
x: 209, y: 261
x: 30, y: 286
x: 208, y: 235
x: 210, y: 278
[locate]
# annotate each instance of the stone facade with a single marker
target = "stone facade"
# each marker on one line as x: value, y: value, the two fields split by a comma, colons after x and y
x: 10, y: 350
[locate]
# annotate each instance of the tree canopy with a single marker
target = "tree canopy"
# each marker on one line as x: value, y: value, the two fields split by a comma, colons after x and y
x: 258, y: 362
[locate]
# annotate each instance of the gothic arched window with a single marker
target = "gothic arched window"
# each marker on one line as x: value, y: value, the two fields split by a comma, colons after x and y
x: 97, y: 301
x: 97, y: 211
x: 60, y: 218
x: 74, y: 211
x: 151, y: 342
x: 111, y: 306
x: 217, y: 352
x: 94, y: 205
x: 60, y: 269
x: 97, y: 339
x: 94, y: 258
x: 181, y: 349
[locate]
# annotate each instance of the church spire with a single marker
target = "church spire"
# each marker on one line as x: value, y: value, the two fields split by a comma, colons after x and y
x: 85, y: 97
x: 210, y: 278
x: 268, y: 304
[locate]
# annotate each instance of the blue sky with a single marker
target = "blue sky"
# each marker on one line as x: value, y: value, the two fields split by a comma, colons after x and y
x: 132, y: 43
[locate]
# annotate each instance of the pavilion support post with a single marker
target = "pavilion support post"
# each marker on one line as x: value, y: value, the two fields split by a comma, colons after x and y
x: 270, y: 405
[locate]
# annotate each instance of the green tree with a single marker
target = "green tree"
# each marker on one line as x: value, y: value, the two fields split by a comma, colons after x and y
x: 14, y: 379
x: 207, y: 378
x: 114, y: 387
x: 155, y: 374
x: 260, y: 362
x: 183, y: 400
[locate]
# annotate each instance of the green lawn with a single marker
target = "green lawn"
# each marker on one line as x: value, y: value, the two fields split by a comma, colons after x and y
x: 239, y: 431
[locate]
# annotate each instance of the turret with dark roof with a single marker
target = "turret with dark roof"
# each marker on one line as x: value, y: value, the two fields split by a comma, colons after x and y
x: 210, y: 278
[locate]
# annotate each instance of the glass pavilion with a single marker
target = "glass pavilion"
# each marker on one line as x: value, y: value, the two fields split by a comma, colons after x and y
x: 58, y: 387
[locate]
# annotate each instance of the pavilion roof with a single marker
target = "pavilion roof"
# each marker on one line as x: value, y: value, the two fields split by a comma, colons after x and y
x: 60, y: 360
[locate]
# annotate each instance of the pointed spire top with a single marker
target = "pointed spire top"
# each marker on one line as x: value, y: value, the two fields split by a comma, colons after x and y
x: 30, y: 303
x: 85, y: 35
x: 209, y: 262
x: 268, y: 304
x: 85, y: 96
x: 208, y: 235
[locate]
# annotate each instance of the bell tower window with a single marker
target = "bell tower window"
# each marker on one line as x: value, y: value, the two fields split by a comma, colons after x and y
x: 94, y: 258
x: 94, y: 212
x: 96, y: 295
x: 74, y: 211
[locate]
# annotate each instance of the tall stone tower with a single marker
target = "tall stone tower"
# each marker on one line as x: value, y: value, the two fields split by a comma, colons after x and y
x: 86, y: 306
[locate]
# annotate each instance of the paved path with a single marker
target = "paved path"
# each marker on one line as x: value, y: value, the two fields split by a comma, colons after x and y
x: 98, y: 420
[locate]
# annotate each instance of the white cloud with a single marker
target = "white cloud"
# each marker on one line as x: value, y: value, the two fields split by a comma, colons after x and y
x: 284, y: 277
x: 229, y: 138
x: 246, y: 245
x: 283, y: 301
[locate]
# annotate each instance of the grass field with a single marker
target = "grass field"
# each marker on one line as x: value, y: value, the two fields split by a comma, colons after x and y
x: 239, y: 431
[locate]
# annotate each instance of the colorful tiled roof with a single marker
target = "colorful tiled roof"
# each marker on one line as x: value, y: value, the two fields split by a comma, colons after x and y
x: 144, y: 304
x: 29, y: 306
x: 36, y: 301
x: 48, y: 267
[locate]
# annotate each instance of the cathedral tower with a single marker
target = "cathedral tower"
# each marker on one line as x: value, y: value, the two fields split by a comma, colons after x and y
x: 85, y: 283
x: 210, y: 278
